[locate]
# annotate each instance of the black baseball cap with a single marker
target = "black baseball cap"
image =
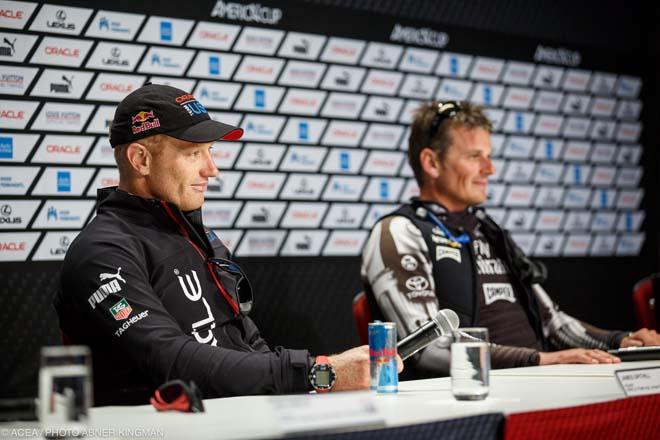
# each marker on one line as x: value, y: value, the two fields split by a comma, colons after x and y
x: 160, y: 109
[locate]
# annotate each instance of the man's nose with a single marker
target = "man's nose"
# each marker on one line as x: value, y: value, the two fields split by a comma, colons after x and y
x: 210, y: 169
x: 488, y: 167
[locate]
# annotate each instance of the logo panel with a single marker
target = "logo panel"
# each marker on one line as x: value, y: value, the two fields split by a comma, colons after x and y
x: 16, y: 180
x: 303, y: 46
x: 61, y: 19
x: 261, y: 214
x: 383, y: 136
x: 382, y: 109
x: 115, y: 56
x: 259, y: 69
x: 114, y: 25
x: 61, y: 51
x: 629, y: 198
x: 381, y: 55
x: 343, y: 105
x: 576, y: 245
x: 16, y: 214
x: 303, y: 187
x: 16, y: 147
x: 300, y: 73
x: 519, y: 147
x: 345, y: 243
x: 303, y: 158
x: 225, y: 153
x: 344, y: 188
x: 166, y: 61
x: 382, y: 82
x: 628, y: 86
x: 345, y: 215
x: 548, y: 125
x: 66, y: 84
x: 165, y: 30
x: 259, y: 98
x: 230, y: 238
x: 220, y: 95
x: 260, y: 157
x: 576, y: 80
x: 549, y: 245
x: 258, y: 41
x: 260, y: 243
x: 220, y: 214
x: 603, y: 83
x: 454, y: 64
x: 260, y: 185
x: 304, y: 215
x: 487, y: 94
x: 547, y: 101
x: 382, y: 189
x: 520, y: 219
x: 16, y: 246
x: 375, y: 213
x: 223, y: 185
x: 487, y: 69
x: 106, y: 177
x: 62, y: 117
x: 114, y: 87
x: 262, y: 128
x: 54, y: 246
x: 63, y: 181
x: 302, y: 102
x: 628, y: 132
x: 304, y: 243
x: 454, y: 89
x: 519, y: 171
x: 344, y: 161
x: 604, y: 108
x: 418, y: 86
x: 518, y: 98
x: 518, y: 122
x: 214, y: 65
x: 15, y: 14
x: 576, y: 127
x: 343, y: 78
x: 630, y: 244
x: 519, y: 196
x: 383, y: 163
x: 518, y: 73
x: 342, y: 50
x: 16, y: 114
x: 418, y: 60
x: 17, y: 81
x: 630, y: 221
x: 63, y: 149
x: 214, y: 36
x: 63, y: 214
x: 102, y: 120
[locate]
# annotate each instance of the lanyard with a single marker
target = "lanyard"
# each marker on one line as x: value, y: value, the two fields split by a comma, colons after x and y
x: 464, y: 238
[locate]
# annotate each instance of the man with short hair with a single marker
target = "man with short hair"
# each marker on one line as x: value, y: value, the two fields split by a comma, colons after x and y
x: 442, y: 251
x: 154, y: 293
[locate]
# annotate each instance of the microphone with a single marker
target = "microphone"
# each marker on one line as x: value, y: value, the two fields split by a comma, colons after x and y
x: 441, y: 325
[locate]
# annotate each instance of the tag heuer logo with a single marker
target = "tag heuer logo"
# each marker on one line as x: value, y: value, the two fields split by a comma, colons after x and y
x: 121, y: 310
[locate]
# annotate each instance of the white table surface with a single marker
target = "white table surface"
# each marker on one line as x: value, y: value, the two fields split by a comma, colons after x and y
x: 251, y: 417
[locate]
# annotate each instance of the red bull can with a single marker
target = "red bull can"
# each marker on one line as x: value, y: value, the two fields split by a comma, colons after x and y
x: 382, y: 357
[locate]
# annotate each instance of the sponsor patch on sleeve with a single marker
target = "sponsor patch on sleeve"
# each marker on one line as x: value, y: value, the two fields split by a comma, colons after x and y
x: 447, y: 252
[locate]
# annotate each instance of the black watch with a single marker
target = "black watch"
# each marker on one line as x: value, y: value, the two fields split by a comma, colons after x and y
x: 322, y: 376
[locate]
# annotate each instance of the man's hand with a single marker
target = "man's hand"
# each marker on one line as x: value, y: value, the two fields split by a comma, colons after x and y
x: 641, y: 337
x: 352, y: 369
x: 578, y: 356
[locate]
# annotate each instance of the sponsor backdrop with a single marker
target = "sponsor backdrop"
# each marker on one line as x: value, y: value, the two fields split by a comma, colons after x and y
x: 325, y: 96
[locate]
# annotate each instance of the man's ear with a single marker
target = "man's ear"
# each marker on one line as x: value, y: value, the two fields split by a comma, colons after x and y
x: 139, y: 158
x: 428, y: 159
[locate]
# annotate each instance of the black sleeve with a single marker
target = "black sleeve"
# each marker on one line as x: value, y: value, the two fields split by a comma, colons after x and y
x: 152, y: 339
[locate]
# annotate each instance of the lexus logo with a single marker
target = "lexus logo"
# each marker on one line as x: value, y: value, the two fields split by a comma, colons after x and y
x: 5, y: 210
x: 115, y: 52
x: 60, y: 15
x: 417, y: 283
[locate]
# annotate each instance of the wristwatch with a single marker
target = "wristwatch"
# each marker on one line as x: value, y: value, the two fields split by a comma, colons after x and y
x: 322, y: 376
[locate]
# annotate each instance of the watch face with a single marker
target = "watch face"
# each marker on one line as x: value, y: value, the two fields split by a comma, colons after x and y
x: 322, y: 377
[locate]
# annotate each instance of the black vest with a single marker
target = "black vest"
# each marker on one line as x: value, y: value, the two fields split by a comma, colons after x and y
x: 456, y: 284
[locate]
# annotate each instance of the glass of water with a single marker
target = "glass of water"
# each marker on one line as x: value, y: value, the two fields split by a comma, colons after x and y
x: 470, y: 363
x: 65, y: 390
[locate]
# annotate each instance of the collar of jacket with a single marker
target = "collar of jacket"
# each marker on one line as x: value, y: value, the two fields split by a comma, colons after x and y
x: 147, y: 211
x: 460, y: 220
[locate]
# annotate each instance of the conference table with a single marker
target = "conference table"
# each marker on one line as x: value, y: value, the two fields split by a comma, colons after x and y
x: 417, y: 402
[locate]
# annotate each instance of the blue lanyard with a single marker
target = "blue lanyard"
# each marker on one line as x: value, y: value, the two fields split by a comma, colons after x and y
x: 464, y: 238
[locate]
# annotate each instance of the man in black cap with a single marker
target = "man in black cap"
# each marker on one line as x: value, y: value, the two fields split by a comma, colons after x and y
x: 153, y: 292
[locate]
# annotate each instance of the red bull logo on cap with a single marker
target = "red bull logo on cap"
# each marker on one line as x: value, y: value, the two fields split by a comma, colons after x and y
x: 144, y: 121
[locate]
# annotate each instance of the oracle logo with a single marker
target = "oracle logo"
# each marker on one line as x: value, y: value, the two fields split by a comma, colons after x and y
x: 305, y: 215
x: 62, y: 51
x: 11, y: 14
x: 628, y: 131
x: 344, y: 133
x: 550, y: 220
x: 251, y: 68
x: 487, y: 69
x: 11, y: 114
x: 346, y: 51
x: 222, y: 155
x: 519, y: 97
x: 308, y: 102
x: 347, y: 242
x: 384, y: 163
x: 109, y: 181
x: 519, y: 195
x: 215, y: 36
x: 114, y: 87
x: 260, y: 185
x: 577, y: 80
x: 383, y: 82
x: 549, y: 124
x: 63, y: 149
x: 12, y: 246
x: 604, y: 106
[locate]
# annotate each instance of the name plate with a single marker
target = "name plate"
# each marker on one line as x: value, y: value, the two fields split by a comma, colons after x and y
x: 639, y: 381
x: 328, y: 412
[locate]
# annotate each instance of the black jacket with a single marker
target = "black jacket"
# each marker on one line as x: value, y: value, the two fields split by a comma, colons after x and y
x: 137, y: 288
